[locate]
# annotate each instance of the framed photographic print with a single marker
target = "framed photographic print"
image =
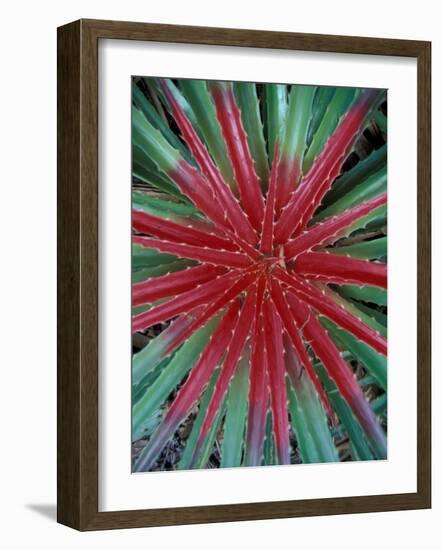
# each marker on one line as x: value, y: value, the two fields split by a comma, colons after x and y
x: 244, y: 275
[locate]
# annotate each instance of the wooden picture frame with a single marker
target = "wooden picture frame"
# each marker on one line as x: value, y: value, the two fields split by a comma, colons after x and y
x: 78, y: 274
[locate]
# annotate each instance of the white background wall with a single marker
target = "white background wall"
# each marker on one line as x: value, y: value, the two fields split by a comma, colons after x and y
x: 27, y: 288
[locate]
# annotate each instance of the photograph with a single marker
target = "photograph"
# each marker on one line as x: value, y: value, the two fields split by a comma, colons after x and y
x: 222, y: 219
x: 259, y: 274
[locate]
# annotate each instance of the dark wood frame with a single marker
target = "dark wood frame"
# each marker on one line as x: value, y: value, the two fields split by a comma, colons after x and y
x: 78, y: 269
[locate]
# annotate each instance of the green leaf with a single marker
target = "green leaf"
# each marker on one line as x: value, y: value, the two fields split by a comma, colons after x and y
x: 139, y: 389
x: 381, y: 121
x: 235, y: 421
x: 163, y: 269
x: 367, y: 380
x: 178, y: 95
x: 364, y: 293
x: 186, y: 458
x: 207, y: 447
x: 162, y: 208
x: 297, y: 121
x: 373, y: 221
x: 248, y: 103
x: 170, y: 377
x: 269, y: 457
x: 157, y: 122
x: 141, y: 309
x: 365, y: 250
x: 374, y: 185
x: 340, y: 298
x: 152, y: 142
x: 374, y: 362
x: 373, y: 312
x: 276, y: 109
x: 149, y: 257
x: 379, y: 405
x: 309, y: 420
x: 337, y: 107
x: 321, y: 100
x: 365, y: 168
x: 146, y: 171
x: 200, y: 101
x: 360, y: 448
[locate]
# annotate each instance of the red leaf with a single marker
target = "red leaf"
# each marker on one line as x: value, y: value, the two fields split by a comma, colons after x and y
x: 276, y: 374
x: 269, y: 212
x: 192, y: 184
x: 191, y: 390
x: 308, y: 195
x: 328, y: 267
x: 289, y: 172
x: 240, y: 333
x: 206, y: 255
x: 201, y: 295
x: 229, y: 117
x: 324, y: 306
x: 169, y: 230
x: 146, y: 292
x: 338, y: 370
x: 280, y: 301
x: 231, y: 293
x: 233, y: 212
x: 259, y: 390
x: 324, y: 232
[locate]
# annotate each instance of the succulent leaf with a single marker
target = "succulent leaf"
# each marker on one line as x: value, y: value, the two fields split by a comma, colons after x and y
x: 169, y: 378
x: 359, y: 445
x: 308, y: 417
x: 259, y: 274
x: 229, y: 117
x: 199, y: 99
x: 297, y: 120
x: 276, y: 108
x: 236, y: 414
x: 248, y: 102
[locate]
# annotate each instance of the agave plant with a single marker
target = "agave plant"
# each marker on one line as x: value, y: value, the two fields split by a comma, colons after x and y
x: 259, y: 273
